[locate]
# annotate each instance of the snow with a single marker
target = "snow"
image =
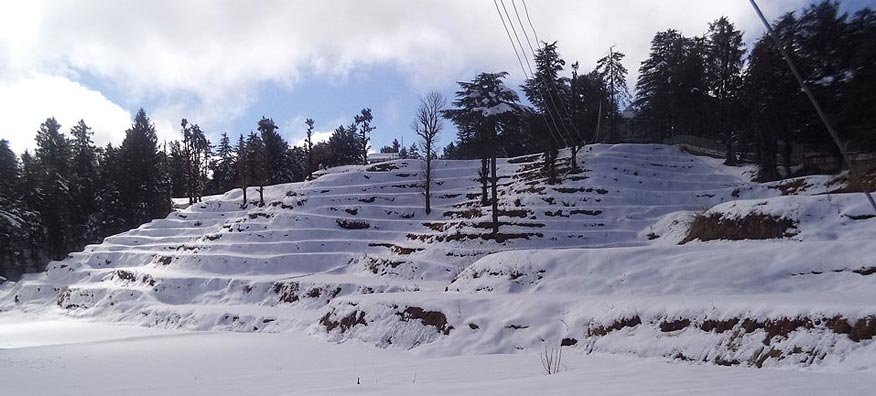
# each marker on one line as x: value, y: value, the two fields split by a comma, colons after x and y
x: 221, y: 363
x: 348, y: 274
x: 25, y: 332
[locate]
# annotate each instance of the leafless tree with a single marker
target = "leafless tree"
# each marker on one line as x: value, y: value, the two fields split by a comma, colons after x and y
x: 551, y: 359
x: 428, y: 123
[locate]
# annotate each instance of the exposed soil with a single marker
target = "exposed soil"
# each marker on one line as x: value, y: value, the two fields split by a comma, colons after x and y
x: 352, y: 319
x: 427, y: 318
x: 353, y: 224
x: 752, y: 226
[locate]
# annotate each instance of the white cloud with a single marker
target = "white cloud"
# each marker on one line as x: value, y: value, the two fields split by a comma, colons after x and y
x: 27, y: 102
x: 318, y: 136
x: 207, y: 57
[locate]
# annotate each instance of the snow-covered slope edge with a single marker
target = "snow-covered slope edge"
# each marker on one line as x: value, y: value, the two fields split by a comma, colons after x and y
x: 803, y: 298
x: 592, y: 263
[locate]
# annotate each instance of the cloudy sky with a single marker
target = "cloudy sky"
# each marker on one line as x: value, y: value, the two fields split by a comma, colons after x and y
x: 224, y: 64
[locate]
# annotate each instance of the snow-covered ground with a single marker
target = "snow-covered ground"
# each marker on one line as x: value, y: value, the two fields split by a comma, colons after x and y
x: 223, y: 363
x: 641, y: 262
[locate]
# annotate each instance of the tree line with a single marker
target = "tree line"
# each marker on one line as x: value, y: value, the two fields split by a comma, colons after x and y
x: 69, y: 192
x: 710, y: 86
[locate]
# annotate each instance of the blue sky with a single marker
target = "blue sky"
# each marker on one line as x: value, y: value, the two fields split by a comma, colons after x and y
x: 224, y: 64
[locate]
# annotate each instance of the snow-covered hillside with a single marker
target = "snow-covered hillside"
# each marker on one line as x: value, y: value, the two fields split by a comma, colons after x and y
x: 611, y: 259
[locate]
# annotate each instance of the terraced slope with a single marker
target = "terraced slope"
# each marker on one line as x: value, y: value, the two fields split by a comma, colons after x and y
x: 352, y: 254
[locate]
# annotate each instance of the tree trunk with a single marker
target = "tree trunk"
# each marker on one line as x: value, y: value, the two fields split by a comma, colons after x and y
x: 484, y: 174
x: 244, y: 186
x: 573, y: 160
x: 786, y: 158
x: 767, y: 161
x: 731, y: 154
x: 428, y: 186
x: 495, y: 196
x: 261, y: 195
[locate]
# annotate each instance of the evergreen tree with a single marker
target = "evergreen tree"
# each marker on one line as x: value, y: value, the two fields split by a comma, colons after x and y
x: 545, y: 91
x: 587, y: 98
x: 449, y: 152
x: 671, y: 89
x: 177, y: 170
x: 197, y: 151
x: 278, y: 167
x: 613, y: 76
x: 484, y: 108
x: 53, y: 157
x: 345, y: 146
x: 84, y: 192
x: 256, y: 164
x: 322, y: 155
x: 414, y: 152
x: 10, y: 173
x: 363, y: 123
x: 858, y: 115
x: 724, y: 51
x: 243, y: 160
x: 111, y: 216
x: 224, y: 167
x: 14, y: 219
x: 308, y: 147
x: 392, y: 148
x: 141, y: 186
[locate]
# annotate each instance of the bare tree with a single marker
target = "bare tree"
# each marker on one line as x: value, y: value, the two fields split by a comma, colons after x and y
x: 428, y: 123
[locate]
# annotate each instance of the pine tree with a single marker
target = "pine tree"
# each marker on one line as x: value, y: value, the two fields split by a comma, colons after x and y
x: 84, y: 192
x: 484, y: 108
x: 111, y: 218
x: 671, y: 89
x: 10, y: 172
x: 308, y: 147
x: 724, y: 51
x: 223, y: 167
x: 243, y: 160
x: 53, y: 157
x: 857, y: 117
x: 392, y: 148
x: 256, y: 164
x: 141, y: 185
x: 363, y: 123
x: 545, y: 91
x: 13, y: 222
x: 278, y: 167
x: 197, y: 151
x: 177, y: 170
x: 613, y: 75
x: 587, y: 97
x: 346, y: 148
x: 33, y: 198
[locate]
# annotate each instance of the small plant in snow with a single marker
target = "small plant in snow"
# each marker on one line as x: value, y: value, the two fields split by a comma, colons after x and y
x: 551, y: 359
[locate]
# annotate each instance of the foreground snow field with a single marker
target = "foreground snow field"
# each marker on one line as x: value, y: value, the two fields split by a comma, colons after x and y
x: 291, y: 363
x: 652, y: 268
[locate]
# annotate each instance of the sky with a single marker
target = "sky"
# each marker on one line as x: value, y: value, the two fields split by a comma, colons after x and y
x: 225, y: 64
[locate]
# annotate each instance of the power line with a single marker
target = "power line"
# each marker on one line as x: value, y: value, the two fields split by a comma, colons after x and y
x: 526, y: 10
x: 523, y: 69
x: 559, y: 97
x: 812, y: 99
x: 533, y: 76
